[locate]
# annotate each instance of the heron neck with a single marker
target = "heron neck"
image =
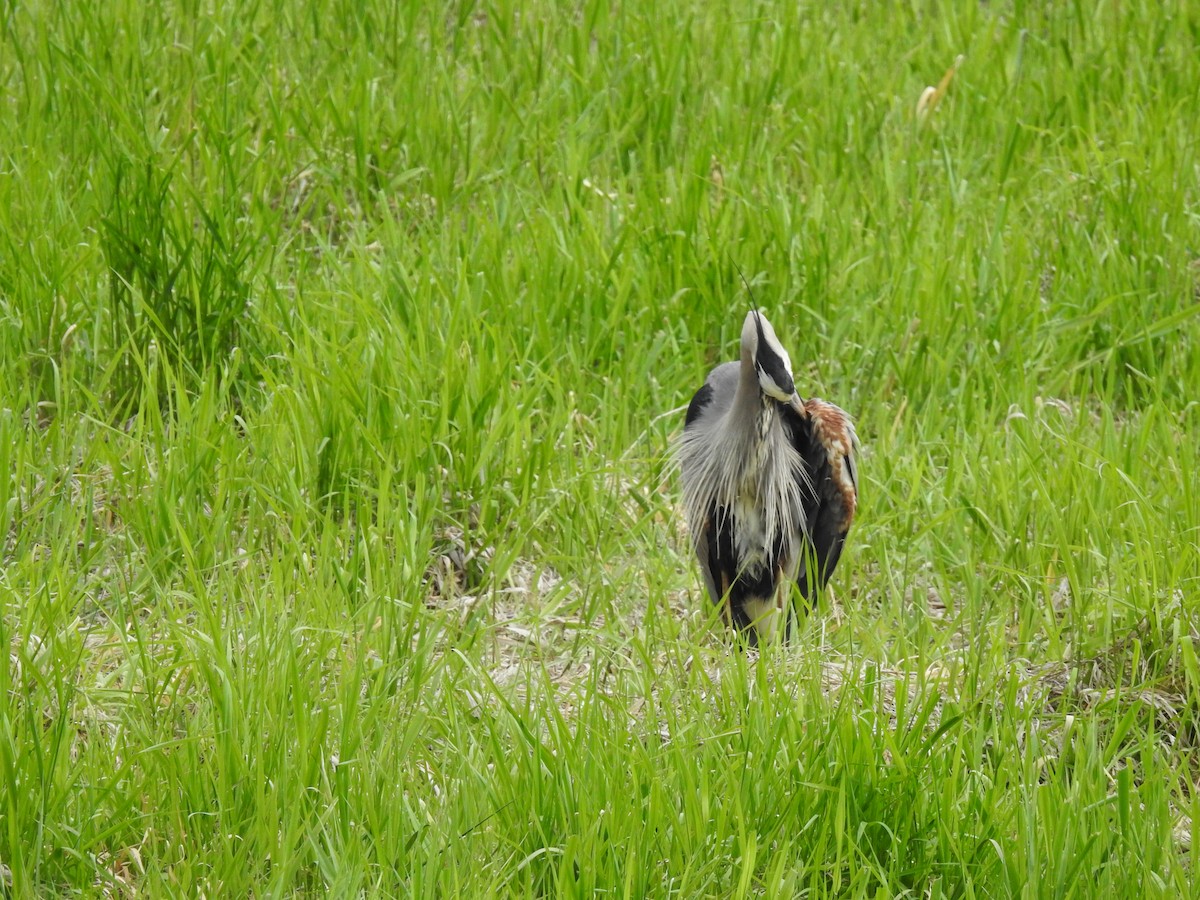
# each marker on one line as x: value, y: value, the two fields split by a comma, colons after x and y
x: 753, y: 409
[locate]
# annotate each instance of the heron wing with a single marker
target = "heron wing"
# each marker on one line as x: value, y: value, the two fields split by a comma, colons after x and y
x: 700, y: 402
x: 713, y: 536
x: 825, y: 439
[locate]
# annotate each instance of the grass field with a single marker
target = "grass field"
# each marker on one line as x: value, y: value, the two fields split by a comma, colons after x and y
x: 343, y: 348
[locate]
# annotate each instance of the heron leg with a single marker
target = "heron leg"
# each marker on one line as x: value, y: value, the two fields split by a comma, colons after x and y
x: 762, y: 617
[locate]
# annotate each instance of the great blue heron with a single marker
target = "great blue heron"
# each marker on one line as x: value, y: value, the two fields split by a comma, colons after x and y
x: 770, y: 484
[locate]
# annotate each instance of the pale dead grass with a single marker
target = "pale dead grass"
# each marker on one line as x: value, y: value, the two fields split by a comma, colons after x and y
x: 536, y: 651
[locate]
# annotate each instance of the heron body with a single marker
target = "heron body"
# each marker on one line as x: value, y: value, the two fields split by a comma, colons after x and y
x: 769, y: 484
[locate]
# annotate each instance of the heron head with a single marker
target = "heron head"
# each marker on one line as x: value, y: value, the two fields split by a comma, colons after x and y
x: 770, y: 360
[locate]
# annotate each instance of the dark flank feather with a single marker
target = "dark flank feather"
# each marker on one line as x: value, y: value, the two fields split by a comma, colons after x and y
x: 825, y: 440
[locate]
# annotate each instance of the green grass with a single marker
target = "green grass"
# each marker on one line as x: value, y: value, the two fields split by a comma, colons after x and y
x: 341, y: 543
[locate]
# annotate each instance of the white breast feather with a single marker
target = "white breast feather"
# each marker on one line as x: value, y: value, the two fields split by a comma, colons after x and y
x: 722, y: 473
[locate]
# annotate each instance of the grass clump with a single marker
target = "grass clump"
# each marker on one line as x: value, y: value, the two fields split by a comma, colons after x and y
x: 341, y: 552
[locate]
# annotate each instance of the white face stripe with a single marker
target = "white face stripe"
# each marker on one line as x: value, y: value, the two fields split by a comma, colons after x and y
x: 771, y: 389
x: 772, y: 361
x: 773, y: 342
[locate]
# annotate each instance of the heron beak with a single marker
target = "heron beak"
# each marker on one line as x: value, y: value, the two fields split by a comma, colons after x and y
x: 797, y: 404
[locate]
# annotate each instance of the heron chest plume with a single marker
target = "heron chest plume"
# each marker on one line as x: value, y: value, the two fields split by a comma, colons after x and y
x: 755, y: 480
